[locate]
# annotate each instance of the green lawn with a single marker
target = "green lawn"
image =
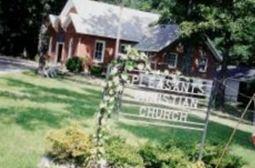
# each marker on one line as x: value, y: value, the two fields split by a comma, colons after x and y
x: 30, y: 106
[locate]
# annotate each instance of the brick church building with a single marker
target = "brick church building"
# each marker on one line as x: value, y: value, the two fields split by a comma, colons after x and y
x: 89, y: 28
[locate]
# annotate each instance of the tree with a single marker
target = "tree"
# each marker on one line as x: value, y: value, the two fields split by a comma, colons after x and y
x: 43, y: 42
x: 144, y: 5
x: 230, y: 23
x: 20, y: 24
x: 179, y: 12
x: 20, y: 21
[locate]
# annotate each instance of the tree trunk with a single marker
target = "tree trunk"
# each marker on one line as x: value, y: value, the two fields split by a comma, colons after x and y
x: 223, y: 73
x: 43, y: 47
x: 187, y: 58
x: 221, y: 86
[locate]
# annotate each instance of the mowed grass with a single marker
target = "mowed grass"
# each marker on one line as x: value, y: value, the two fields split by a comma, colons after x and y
x: 31, y: 106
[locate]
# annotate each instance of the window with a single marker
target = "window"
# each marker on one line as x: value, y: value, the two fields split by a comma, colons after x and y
x: 50, y: 46
x: 171, y: 60
x: 59, y: 51
x: 153, y: 62
x: 99, y: 51
x: 153, y: 65
x: 202, y: 64
x: 70, y: 48
x: 202, y: 61
x: 123, y: 48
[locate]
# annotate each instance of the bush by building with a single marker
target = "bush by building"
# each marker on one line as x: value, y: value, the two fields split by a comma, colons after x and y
x: 75, y: 64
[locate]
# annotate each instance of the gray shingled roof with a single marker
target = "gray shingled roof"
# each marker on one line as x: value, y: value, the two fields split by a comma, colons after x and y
x: 101, y: 19
x: 159, y: 37
x: 240, y: 73
x: 135, y: 24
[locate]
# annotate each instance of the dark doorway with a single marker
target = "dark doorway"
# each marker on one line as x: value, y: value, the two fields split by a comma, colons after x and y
x: 59, y: 51
x: 248, y: 89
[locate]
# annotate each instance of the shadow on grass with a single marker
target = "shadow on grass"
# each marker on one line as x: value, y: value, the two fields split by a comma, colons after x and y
x: 83, y: 81
x: 79, y: 105
x: 221, y: 133
x: 236, y: 111
x: 217, y: 133
x: 31, y: 118
x: 32, y: 88
x: 84, y: 105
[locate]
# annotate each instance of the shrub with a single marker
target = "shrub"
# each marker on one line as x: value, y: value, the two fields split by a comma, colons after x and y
x: 149, y: 154
x: 96, y: 71
x: 155, y: 156
x: 189, y: 148
x: 70, y: 145
x: 121, y: 155
x: 213, y: 153
x: 74, y: 64
x: 183, y: 155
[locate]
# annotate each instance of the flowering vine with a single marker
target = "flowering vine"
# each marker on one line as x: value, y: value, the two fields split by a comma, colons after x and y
x: 117, y: 77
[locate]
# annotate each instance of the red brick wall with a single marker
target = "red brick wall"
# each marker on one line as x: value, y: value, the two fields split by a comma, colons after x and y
x: 52, y: 52
x: 83, y: 45
x: 87, y: 47
x: 212, y: 63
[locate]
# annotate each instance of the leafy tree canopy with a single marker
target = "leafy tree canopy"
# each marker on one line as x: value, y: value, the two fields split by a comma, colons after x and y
x: 20, y: 22
x: 231, y: 23
x: 145, y: 5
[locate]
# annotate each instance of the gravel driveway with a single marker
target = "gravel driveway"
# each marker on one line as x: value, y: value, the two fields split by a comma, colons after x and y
x: 11, y: 64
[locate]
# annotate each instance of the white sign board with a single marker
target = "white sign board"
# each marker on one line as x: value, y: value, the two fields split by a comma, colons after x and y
x: 163, y: 100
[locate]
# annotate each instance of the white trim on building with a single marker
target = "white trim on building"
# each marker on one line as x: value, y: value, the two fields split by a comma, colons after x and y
x: 70, y: 48
x: 170, y: 65
x: 99, y: 51
x: 50, y: 45
x: 205, y: 66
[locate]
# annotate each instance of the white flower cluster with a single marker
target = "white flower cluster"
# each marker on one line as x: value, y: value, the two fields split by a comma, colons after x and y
x: 118, y: 76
